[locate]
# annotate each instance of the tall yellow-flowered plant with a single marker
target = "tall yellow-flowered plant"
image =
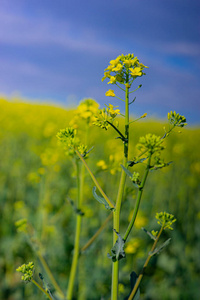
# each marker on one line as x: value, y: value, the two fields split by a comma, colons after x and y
x: 121, y: 72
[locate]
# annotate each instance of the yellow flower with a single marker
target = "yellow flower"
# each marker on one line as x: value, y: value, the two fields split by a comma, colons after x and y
x: 136, y: 71
x: 102, y: 164
x: 122, y: 65
x: 109, y: 69
x: 110, y: 93
x: 106, y: 74
x: 135, y: 61
x: 115, y: 61
x: 112, y: 80
x: 118, y: 68
x: 113, y: 112
x: 143, y: 116
x: 143, y: 66
x: 128, y: 63
x: 85, y: 111
x: 132, y: 246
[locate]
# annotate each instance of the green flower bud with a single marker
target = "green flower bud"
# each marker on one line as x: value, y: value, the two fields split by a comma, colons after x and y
x: 176, y: 119
x: 27, y: 271
x: 165, y: 220
x: 150, y: 142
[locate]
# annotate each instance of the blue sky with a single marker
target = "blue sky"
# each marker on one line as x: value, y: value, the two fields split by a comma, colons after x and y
x: 56, y: 51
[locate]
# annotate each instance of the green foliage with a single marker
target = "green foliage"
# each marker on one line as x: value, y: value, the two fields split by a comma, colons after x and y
x: 101, y: 199
x: 134, y: 177
x: 117, y: 251
x: 160, y: 248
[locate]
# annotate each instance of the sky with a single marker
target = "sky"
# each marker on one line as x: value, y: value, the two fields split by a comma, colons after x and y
x: 56, y: 51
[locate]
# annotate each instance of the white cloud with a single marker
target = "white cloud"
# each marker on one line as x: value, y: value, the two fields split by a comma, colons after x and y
x: 23, y: 31
x: 181, y: 48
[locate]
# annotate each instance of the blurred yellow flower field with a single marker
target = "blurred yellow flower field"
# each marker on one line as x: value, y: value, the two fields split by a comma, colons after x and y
x: 37, y: 180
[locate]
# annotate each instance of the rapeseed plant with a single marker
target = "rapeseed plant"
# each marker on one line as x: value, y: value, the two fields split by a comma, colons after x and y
x: 121, y: 72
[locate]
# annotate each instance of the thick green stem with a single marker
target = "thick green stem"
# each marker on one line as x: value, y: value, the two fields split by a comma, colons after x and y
x: 76, y: 241
x: 144, y: 267
x: 139, y: 196
x: 39, y: 287
x: 116, y: 213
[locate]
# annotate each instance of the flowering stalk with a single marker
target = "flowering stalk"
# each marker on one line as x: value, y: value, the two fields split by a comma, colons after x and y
x: 85, y: 113
x: 76, y: 240
x: 23, y: 226
x: 116, y: 214
x: 50, y: 275
x: 165, y: 220
x: 27, y: 271
x: 126, y: 69
x: 144, y: 267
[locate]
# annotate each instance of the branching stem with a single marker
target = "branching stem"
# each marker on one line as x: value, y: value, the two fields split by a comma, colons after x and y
x: 116, y: 213
x: 43, y: 290
x: 94, y: 180
x: 50, y: 275
x: 144, y: 267
x: 139, y: 196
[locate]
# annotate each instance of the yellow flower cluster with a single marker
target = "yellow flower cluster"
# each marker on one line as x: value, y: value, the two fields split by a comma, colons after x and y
x: 165, y: 220
x: 68, y: 137
x: 110, y: 93
x: 113, y: 112
x: 27, y: 270
x: 106, y: 116
x: 123, y: 69
x: 85, y: 111
x: 150, y: 142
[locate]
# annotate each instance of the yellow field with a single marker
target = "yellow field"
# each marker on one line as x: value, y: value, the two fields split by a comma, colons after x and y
x: 36, y: 178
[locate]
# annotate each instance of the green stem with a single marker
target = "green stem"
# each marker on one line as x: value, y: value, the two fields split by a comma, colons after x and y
x: 119, y: 132
x: 119, y: 98
x: 39, y: 287
x: 94, y: 179
x: 50, y: 275
x: 145, y: 266
x: 120, y: 87
x: 96, y: 234
x: 76, y: 241
x: 139, y: 196
x: 139, y: 86
x: 135, y: 120
x: 116, y: 213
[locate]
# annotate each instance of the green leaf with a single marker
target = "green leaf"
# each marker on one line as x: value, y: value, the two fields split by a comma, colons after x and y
x: 117, y: 251
x: 133, y: 279
x: 150, y: 234
x: 156, y: 167
x: 127, y: 171
x: 134, y: 162
x: 45, y: 285
x: 130, y: 175
x: 159, y: 249
x: 101, y: 199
